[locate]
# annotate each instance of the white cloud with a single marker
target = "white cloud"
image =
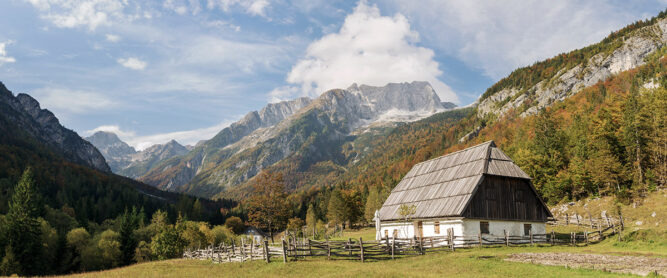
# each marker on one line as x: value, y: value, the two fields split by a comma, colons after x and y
x: 4, y: 58
x: 113, y: 129
x: 252, y: 7
x: 187, y: 137
x: 257, y: 7
x: 283, y: 93
x: 132, y: 63
x: 112, y: 38
x: 78, y: 13
x: 368, y: 49
x: 64, y: 101
x: 499, y: 36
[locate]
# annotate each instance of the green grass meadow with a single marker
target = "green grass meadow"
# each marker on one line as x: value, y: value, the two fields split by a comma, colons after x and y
x: 473, y: 262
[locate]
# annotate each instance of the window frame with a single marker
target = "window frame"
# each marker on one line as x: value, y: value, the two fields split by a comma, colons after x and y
x: 484, y: 224
x: 526, y: 232
x: 436, y: 227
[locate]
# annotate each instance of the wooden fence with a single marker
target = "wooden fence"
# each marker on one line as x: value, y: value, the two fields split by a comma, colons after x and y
x: 294, y: 248
x: 588, y: 221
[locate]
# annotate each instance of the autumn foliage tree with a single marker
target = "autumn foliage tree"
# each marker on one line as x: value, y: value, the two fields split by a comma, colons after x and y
x: 268, y: 207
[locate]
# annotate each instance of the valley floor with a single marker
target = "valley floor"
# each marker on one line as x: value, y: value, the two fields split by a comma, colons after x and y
x: 474, y: 262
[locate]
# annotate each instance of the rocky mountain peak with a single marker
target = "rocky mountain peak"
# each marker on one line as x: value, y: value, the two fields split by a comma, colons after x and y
x: 620, y: 54
x: 32, y: 107
x: 25, y: 111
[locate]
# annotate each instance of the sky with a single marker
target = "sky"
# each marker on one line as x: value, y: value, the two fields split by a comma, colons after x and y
x: 152, y: 71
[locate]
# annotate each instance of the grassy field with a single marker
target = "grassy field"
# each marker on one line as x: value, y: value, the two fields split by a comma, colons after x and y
x: 487, y: 262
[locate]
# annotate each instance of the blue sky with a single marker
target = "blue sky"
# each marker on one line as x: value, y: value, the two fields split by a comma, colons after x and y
x: 152, y: 71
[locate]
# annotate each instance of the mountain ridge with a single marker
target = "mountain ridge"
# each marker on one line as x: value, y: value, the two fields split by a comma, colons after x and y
x: 43, y: 125
x: 336, y: 112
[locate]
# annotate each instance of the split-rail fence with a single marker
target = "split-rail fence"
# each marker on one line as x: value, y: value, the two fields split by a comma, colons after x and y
x: 294, y: 248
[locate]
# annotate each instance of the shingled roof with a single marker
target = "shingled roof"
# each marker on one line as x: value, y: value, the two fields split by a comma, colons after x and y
x: 443, y: 186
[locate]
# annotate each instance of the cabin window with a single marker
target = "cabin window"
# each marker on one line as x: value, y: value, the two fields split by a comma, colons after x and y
x: 526, y: 229
x: 484, y: 227
x: 395, y: 233
x: 436, y: 227
x: 386, y: 233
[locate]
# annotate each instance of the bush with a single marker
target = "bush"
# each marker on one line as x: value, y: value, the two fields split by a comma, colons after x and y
x: 143, y: 252
x: 235, y: 224
x: 219, y: 234
x: 167, y: 244
x: 78, y: 239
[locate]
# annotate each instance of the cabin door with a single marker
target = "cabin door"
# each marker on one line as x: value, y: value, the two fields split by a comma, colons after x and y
x: 419, y: 229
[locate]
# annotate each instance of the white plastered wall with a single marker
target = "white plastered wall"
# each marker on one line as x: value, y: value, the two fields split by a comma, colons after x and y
x: 498, y: 228
x: 466, y: 227
x: 407, y: 229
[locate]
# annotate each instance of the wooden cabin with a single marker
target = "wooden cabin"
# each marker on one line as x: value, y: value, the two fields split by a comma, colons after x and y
x: 478, y: 190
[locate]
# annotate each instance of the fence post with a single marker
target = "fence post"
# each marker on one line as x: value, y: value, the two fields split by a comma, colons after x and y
x: 553, y: 241
x: 567, y: 219
x: 586, y: 237
x: 531, y: 237
x: 479, y: 236
x: 599, y: 229
x: 233, y: 247
x: 393, y: 246
x: 242, y: 249
x: 577, y: 215
x: 620, y: 219
x: 310, y: 248
x: 421, y: 245
x: 608, y: 221
x: 328, y: 249
x: 507, y: 239
x: 267, y: 255
x: 387, y: 239
x: 349, y: 245
x: 451, y: 237
x: 361, y: 249
x: 252, y: 246
x: 572, y: 239
x: 284, y: 252
x: 431, y: 241
x: 590, y: 218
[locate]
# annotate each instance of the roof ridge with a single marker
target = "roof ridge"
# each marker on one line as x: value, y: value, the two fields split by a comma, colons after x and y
x: 490, y: 142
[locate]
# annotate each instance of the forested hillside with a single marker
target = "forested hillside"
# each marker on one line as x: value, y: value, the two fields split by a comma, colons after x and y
x: 59, y: 216
x: 609, y: 139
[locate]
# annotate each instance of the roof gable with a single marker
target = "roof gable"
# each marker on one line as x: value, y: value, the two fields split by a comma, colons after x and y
x: 443, y: 186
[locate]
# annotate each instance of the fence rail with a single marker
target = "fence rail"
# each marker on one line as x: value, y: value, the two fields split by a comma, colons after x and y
x: 294, y: 248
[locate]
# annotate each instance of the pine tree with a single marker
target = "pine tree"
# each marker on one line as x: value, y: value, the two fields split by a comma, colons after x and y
x: 23, y: 228
x: 337, y: 208
x: 129, y: 222
x: 311, y: 219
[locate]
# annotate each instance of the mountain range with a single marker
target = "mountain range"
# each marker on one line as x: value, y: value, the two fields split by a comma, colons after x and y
x: 313, y: 131
x: 126, y: 161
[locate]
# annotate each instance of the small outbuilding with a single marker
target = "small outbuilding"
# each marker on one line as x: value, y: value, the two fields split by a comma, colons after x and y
x: 478, y: 190
x: 256, y: 234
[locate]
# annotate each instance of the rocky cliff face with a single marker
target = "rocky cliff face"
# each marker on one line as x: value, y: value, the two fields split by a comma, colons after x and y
x: 174, y: 173
x: 116, y: 152
x: 313, y: 130
x: 628, y: 52
x: 25, y: 112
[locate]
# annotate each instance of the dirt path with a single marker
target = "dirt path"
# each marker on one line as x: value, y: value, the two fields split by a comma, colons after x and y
x: 622, y: 264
